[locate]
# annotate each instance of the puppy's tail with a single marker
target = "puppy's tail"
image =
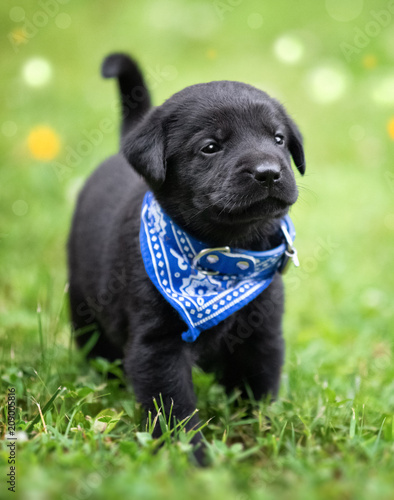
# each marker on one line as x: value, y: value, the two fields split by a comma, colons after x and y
x: 134, y: 95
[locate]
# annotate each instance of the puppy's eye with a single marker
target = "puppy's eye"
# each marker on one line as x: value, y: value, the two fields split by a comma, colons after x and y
x: 279, y: 139
x: 210, y: 148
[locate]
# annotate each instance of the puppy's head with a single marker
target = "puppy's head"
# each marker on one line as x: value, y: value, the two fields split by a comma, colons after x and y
x: 217, y: 156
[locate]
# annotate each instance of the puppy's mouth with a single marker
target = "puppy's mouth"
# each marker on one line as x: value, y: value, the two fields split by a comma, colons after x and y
x: 267, y: 208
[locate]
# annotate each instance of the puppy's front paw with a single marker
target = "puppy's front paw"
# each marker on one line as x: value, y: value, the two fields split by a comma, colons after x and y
x: 200, y: 451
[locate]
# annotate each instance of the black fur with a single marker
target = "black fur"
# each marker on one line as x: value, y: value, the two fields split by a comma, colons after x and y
x: 135, y: 100
x: 234, y: 197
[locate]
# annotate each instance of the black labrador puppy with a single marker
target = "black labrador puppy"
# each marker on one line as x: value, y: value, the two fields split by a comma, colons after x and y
x: 216, y: 158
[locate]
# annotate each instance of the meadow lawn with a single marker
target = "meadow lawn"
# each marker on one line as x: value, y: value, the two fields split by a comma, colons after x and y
x: 330, y: 434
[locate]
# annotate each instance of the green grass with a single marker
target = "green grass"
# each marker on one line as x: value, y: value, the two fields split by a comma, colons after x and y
x: 330, y: 434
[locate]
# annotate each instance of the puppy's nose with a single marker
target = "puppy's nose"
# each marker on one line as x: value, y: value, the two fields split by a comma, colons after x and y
x: 267, y: 173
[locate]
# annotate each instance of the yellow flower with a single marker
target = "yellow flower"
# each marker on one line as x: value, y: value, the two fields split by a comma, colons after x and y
x: 390, y: 128
x: 19, y: 36
x: 43, y: 143
x: 211, y: 54
x: 369, y: 61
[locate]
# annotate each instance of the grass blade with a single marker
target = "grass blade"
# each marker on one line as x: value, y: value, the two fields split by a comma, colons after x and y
x: 47, y: 407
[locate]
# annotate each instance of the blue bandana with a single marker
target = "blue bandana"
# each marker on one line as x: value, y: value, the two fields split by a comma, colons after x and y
x: 205, y: 285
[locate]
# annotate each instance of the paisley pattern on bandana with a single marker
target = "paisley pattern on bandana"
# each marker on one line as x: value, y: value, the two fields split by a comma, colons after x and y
x: 202, y: 300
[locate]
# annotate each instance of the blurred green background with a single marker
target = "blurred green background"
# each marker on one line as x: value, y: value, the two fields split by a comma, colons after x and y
x: 331, y: 63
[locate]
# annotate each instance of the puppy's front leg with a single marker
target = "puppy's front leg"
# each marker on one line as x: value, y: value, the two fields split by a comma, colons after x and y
x: 253, y: 351
x: 161, y: 369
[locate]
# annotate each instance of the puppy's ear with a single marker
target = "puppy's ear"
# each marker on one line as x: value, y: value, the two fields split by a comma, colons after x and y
x: 143, y: 148
x: 296, y: 146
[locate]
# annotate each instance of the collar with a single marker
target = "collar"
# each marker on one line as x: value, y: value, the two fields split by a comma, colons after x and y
x: 206, y: 285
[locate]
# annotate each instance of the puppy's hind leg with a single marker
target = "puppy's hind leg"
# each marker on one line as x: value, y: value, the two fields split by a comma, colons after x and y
x: 87, y: 330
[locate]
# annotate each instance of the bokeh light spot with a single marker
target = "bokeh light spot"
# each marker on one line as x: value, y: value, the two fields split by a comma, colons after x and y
x: 195, y: 20
x: 390, y: 128
x: 63, y: 21
x: 383, y: 90
x: 43, y: 143
x: 255, y: 21
x: 20, y: 208
x: 344, y: 11
x: 37, y: 72
x: 9, y: 128
x: 17, y: 14
x: 372, y: 297
x: 327, y: 83
x: 288, y: 49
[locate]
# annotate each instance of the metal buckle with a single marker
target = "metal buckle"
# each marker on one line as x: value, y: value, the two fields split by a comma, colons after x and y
x: 290, y: 251
x: 206, y: 251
